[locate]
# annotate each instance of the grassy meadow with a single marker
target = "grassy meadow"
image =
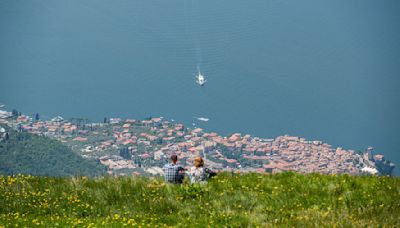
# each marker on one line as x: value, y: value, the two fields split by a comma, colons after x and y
x: 234, y: 200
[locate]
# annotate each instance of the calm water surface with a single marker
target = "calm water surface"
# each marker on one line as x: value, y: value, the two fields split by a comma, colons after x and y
x: 317, y: 69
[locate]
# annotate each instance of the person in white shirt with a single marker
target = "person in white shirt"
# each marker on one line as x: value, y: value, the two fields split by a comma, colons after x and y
x: 198, y: 173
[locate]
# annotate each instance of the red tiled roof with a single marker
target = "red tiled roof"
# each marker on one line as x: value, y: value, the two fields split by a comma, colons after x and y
x: 80, y: 139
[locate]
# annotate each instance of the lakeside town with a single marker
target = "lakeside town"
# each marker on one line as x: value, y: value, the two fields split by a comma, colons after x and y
x: 142, y: 147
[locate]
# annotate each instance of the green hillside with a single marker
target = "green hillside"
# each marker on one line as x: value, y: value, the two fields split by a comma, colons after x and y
x: 235, y: 200
x: 38, y: 155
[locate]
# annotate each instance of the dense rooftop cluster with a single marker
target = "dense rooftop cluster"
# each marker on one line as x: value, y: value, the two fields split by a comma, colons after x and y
x: 143, y: 146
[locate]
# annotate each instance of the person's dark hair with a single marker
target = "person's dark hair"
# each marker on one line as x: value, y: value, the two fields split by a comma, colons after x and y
x: 174, y: 157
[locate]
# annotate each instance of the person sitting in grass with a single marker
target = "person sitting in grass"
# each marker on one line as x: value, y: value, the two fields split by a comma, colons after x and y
x: 198, y: 173
x: 173, y: 173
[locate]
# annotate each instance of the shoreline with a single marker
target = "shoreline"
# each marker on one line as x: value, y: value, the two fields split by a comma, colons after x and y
x: 129, y: 146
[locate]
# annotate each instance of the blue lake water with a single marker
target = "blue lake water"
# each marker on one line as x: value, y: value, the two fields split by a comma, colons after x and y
x: 326, y: 70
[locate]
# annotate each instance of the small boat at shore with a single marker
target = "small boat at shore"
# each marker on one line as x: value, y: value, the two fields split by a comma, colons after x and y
x: 204, y: 119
